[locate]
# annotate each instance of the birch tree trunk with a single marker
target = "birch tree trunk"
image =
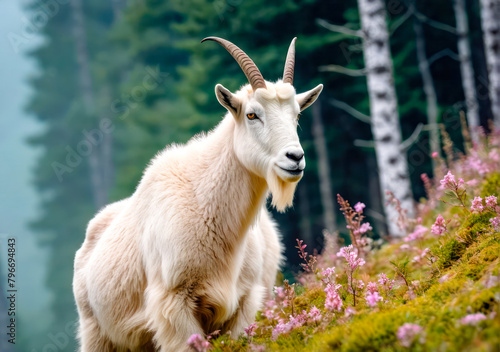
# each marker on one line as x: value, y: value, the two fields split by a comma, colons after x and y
x: 429, y: 89
x: 318, y: 132
x: 391, y: 158
x: 466, y: 68
x: 99, y: 191
x: 490, y: 22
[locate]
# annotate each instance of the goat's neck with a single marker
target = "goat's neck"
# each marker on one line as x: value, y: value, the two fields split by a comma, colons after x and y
x: 229, y: 195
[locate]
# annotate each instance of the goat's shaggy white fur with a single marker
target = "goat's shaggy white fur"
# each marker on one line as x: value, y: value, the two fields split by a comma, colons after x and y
x: 194, y: 249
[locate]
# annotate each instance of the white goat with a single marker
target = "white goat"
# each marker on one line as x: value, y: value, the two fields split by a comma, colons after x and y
x: 194, y: 249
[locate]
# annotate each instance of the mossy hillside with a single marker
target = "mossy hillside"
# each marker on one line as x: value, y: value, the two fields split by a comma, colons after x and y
x: 458, y: 283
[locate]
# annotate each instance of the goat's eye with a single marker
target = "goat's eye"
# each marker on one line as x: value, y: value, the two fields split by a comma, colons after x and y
x: 252, y: 116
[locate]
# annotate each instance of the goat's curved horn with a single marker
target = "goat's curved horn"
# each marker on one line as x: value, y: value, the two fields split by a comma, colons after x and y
x: 289, y: 63
x: 247, y: 65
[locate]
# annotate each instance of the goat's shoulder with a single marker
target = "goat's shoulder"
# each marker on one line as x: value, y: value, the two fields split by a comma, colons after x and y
x: 103, y: 219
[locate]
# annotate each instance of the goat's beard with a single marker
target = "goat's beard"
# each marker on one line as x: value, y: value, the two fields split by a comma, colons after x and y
x: 282, y: 192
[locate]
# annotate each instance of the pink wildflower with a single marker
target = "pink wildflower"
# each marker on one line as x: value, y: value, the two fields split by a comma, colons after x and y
x: 418, y: 234
x: 473, y: 319
x: 280, y: 292
x: 472, y: 182
x: 372, y: 287
x: 449, y: 181
x: 491, y: 201
x: 444, y: 278
x: 315, y: 314
x: 359, y: 207
x: 477, y: 205
x: 495, y: 222
x: 298, y: 320
x: 383, y: 280
x: 269, y: 314
x: 439, y: 226
x: 407, y: 334
x: 475, y: 163
x: 373, y: 298
x: 434, y: 154
x: 250, y: 330
x: 280, y: 328
x: 421, y: 255
x: 333, y: 300
x: 363, y: 228
x: 198, y: 343
x: 328, y: 272
x: 255, y: 348
x: 351, y: 256
x: 350, y: 311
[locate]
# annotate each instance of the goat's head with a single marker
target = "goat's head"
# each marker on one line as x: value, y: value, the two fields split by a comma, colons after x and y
x: 266, y: 114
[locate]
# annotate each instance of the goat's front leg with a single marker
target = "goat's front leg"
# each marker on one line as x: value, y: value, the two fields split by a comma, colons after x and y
x: 172, y: 320
x: 249, y: 305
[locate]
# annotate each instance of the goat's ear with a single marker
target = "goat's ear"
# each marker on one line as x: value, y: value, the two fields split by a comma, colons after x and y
x: 228, y: 100
x: 307, y: 98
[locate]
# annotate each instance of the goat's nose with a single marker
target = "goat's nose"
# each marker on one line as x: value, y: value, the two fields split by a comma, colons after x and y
x: 295, y: 155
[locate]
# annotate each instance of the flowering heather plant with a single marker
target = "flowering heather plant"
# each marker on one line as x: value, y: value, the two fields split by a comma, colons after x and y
x: 386, y: 283
x: 408, y: 333
x: 351, y: 256
x: 352, y: 264
x: 359, y: 207
x: 473, y: 319
x: 455, y: 192
x: 491, y: 202
x: 417, y: 234
x: 250, y: 331
x: 372, y: 299
x: 354, y: 219
x: 198, y: 343
x: 477, y: 205
x: 309, y: 260
x: 422, y: 254
x: 372, y: 287
x: 439, y: 226
x: 315, y: 314
x: 333, y: 301
x: 495, y: 223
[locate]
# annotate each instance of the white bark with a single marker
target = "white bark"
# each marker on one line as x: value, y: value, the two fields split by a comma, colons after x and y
x: 429, y: 89
x: 327, y: 200
x: 466, y: 68
x: 490, y: 16
x: 391, y: 158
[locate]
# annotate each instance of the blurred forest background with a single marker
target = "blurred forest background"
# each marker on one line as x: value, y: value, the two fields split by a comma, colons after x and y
x: 116, y: 81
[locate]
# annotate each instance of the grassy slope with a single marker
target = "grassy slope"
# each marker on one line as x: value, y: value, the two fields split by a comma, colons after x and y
x: 438, y: 307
